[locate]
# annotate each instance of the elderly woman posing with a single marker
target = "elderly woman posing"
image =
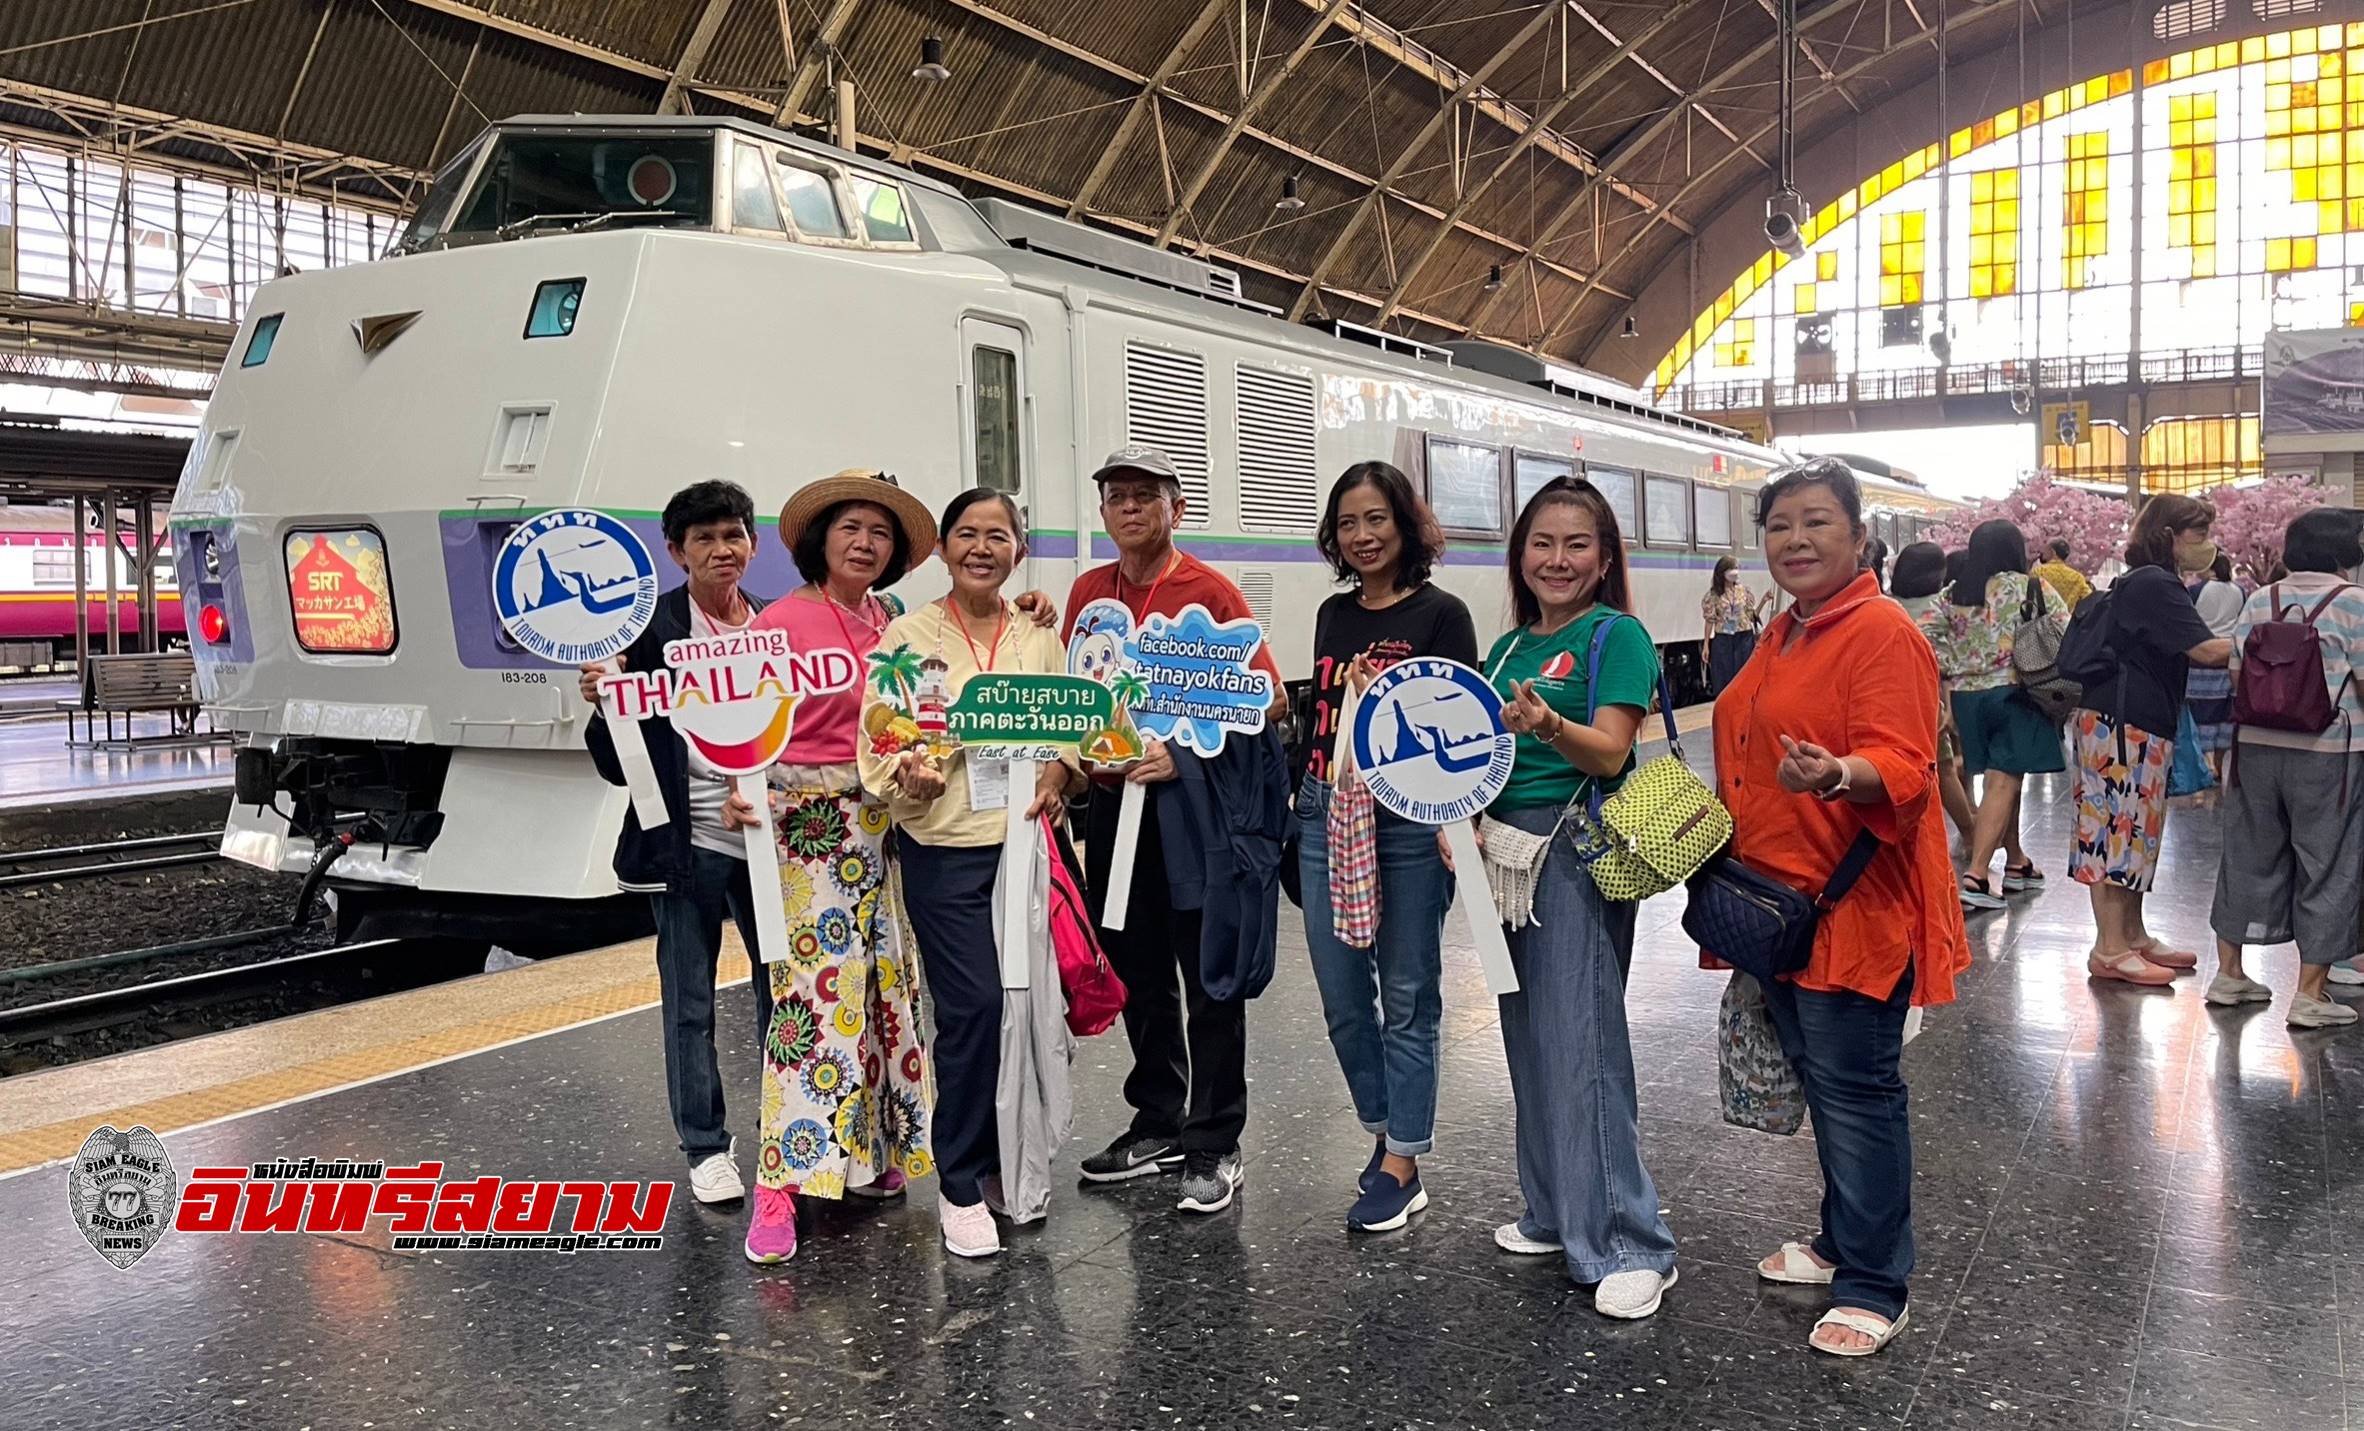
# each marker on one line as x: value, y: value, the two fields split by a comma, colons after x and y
x: 951, y: 814
x: 1832, y: 732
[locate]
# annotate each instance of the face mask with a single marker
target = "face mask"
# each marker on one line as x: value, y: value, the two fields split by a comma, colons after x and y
x: 2193, y: 560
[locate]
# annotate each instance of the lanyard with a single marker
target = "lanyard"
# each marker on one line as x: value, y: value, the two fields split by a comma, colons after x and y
x: 838, y: 613
x: 714, y: 627
x: 1150, y: 600
x: 992, y: 652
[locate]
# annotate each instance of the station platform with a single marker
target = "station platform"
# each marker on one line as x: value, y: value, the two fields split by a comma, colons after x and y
x: 2130, y: 1211
x: 38, y: 767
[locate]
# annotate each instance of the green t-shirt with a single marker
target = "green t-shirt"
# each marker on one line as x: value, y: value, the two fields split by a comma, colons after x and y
x: 1557, y: 665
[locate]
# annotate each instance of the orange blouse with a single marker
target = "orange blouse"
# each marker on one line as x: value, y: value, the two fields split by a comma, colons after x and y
x: 1859, y: 680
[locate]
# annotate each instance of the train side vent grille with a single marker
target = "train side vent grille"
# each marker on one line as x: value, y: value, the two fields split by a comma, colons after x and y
x: 1255, y: 583
x: 1277, y: 475
x: 1166, y: 407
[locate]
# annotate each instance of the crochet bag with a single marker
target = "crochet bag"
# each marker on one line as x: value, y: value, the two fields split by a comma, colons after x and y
x: 1095, y: 996
x: 1353, y: 830
x: 1661, y: 825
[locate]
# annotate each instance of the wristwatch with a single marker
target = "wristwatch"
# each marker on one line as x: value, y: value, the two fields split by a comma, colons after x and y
x: 1846, y: 779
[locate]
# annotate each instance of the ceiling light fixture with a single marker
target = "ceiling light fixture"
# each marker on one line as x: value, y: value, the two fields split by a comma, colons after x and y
x: 931, y: 61
x: 1493, y: 278
x: 1288, y: 202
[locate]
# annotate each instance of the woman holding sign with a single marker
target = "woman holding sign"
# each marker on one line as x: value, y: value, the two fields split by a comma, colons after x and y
x: 1826, y: 744
x: 951, y: 813
x: 1381, y: 999
x: 1576, y: 676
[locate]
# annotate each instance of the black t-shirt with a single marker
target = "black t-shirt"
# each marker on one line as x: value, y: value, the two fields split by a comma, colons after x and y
x: 1429, y: 622
x: 2153, y: 624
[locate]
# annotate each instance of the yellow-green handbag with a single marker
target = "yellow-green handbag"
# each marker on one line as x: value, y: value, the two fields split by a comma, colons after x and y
x: 1661, y: 825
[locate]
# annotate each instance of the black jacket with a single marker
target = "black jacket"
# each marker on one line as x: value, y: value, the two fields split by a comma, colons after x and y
x: 650, y: 860
x: 1221, y: 822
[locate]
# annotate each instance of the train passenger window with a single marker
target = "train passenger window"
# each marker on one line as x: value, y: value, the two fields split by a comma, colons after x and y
x: 812, y: 201
x: 1617, y: 485
x: 753, y: 205
x: 884, y: 218
x: 1711, y: 509
x: 1465, y: 487
x: 1529, y: 472
x: 1666, y: 511
x: 53, y: 566
x: 1749, y: 537
x: 994, y: 371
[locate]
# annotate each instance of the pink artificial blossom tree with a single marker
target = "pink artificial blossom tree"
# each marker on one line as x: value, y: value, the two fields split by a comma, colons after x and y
x: 2250, y: 520
x: 2094, y: 525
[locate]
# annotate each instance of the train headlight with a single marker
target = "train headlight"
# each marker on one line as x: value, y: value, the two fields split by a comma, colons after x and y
x: 553, y: 313
x: 212, y: 624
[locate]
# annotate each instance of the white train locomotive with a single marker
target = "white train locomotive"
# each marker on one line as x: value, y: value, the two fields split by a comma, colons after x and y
x: 594, y: 312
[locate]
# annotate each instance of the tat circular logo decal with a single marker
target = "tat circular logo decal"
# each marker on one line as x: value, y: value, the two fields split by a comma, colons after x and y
x: 651, y: 179
x: 574, y: 586
x: 1430, y: 742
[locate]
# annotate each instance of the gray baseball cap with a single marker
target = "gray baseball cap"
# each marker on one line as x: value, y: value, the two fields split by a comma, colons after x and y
x: 1141, y: 458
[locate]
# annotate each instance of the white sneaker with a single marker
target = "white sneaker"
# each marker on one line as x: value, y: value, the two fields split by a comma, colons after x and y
x: 2306, y: 1013
x: 2226, y: 990
x: 2347, y: 973
x: 716, y: 1179
x: 1631, y: 1296
x: 1509, y: 1238
x: 968, y: 1231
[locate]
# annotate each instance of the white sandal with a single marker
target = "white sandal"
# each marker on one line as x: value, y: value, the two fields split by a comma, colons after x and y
x: 1797, y: 1267
x: 1880, y: 1332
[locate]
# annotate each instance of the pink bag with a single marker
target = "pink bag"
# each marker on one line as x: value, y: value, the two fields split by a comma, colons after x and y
x: 1353, y: 829
x: 1095, y: 996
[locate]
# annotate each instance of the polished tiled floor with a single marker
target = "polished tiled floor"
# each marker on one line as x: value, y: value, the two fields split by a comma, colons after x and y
x: 38, y: 767
x: 2133, y: 1212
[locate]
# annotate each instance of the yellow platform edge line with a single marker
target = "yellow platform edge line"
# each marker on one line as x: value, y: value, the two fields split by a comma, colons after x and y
x: 33, y: 1148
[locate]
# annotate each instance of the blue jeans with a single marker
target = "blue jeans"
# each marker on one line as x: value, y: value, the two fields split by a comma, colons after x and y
x: 1847, y: 1049
x: 1571, y: 1072
x: 689, y: 943
x: 1382, y: 1003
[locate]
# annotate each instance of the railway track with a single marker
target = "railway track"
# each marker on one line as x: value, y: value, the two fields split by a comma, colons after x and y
x: 111, y: 1020
x: 109, y: 857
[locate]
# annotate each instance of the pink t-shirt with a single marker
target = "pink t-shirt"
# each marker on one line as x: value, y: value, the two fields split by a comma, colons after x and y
x: 826, y: 726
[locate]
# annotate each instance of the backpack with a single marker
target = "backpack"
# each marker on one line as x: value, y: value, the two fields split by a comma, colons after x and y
x: 1095, y: 996
x: 2035, y: 659
x: 2086, y: 654
x: 2283, y: 684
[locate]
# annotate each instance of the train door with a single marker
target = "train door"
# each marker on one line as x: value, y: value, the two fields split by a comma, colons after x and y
x: 996, y: 445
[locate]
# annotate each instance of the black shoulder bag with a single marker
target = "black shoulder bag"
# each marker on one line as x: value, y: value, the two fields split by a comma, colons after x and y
x: 1754, y: 922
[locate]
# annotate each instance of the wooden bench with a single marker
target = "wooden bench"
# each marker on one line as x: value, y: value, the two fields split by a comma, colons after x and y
x: 125, y: 686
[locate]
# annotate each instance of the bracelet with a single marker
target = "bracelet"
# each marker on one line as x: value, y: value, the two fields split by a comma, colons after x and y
x: 1846, y: 780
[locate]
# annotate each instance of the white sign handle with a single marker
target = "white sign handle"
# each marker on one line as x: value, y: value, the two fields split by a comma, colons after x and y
x: 1477, y: 898
x: 1120, y: 856
x: 763, y: 873
x: 640, y: 777
x: 1017, y: 880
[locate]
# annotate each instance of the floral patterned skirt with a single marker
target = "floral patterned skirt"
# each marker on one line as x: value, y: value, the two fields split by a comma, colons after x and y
x: 847, y: 1092
x: 2121, y: 804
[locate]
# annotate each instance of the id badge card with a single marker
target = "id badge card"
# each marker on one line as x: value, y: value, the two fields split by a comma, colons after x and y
x: 989, y: 783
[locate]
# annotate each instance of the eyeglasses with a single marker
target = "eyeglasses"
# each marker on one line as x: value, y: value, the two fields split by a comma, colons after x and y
x: 1120, y: 498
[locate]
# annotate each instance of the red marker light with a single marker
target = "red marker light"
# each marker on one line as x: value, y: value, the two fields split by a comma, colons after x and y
x: 212, y: 624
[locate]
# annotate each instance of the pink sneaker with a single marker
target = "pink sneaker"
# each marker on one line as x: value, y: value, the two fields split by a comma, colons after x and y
x: 888, y: 1186
x: 771, y: 1233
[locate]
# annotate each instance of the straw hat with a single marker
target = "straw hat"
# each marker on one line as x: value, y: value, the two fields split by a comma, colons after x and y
x: 862, y: 484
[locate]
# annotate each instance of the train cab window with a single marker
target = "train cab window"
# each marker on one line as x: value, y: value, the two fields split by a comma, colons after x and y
x: 1618, y: 486
x: 1666, y: 512
x: 1711, y: 509
x: 575, y: 182
x: 812, y: 201
x: 1465, y: 487
x: 884, y: 217
x: 753, y: 204
x: 994, y: 372
x: 1529, y: 472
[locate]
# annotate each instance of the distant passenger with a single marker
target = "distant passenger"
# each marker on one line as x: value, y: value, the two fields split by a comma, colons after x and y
x: 1001, y: 1057
x: 1823, y: 755
x: 2054, y: 571
x: 694, y: 866
x: 1875, y: 561
x: 1730, y: 617
x: 1576, y: 675
x: 1383, y: 1002
x: 1199, y: 937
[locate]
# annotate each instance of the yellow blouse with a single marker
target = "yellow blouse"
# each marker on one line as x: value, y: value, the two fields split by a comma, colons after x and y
x: 922, y: 662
